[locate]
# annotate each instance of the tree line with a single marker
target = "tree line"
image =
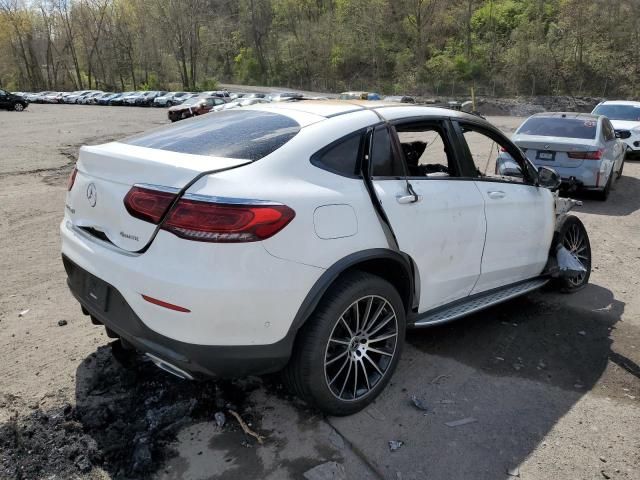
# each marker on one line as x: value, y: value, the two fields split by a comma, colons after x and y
x: 429, y: 47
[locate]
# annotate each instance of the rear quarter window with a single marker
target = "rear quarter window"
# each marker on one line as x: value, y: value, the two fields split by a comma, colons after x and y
x: 584, y: 128
x: 244, y: 134
x: 342, y: 156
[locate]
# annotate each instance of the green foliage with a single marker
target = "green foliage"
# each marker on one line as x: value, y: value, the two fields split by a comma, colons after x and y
x: 393, y: 46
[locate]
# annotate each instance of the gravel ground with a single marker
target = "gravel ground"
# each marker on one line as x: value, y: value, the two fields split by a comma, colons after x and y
x: 551, y: 381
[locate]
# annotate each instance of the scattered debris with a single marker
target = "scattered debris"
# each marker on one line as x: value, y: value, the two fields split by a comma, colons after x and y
x: 517, y: 366
x: 395, y: 445
x: 246, y: 428
x: 605, y: 474
x: 419, y: 404
x: 463, y: 421
x: 23, y: 312
x: 62, y: 323
x: 446, y: 402
x: 220, y: 418
x: 124, y: 422
x: 603, y: 460
x: 500, y: 359
x: 582, y: 332
x: 513, y: 472
x: 326, y: 471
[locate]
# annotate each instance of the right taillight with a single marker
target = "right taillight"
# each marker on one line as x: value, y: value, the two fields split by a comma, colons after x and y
x: 72, y: 179
x: 591, y: 155
x: 205, y: 221
x: 148, y: 204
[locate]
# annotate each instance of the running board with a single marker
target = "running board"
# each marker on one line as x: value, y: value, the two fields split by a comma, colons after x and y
x: 477, y: 302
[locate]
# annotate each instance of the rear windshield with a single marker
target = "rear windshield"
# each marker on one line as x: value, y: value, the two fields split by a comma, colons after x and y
x: 619, y: 112
x: 560, y: 127
x: 245, y: 134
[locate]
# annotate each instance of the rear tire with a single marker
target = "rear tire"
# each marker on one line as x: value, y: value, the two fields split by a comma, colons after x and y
x: 573, y: 236
x: 347, y: 350
x: 603, y: 194
x: 621, y: 168
x: 18, y: 107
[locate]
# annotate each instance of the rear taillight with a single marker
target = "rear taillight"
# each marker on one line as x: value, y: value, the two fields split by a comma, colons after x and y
x: 148, y: 204
x: 231, y: 223
x: 72, y: 179
x: 592, y: 155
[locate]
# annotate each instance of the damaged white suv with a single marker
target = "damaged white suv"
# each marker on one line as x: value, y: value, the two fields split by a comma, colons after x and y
x: 306, y: 237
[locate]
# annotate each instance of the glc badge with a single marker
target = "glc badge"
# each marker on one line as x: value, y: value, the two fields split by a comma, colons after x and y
x: 92, y: 194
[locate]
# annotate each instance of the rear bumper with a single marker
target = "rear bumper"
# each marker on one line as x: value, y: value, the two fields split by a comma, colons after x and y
x: 197, y: 360
x: 241, y: 300
x: 590, y: 175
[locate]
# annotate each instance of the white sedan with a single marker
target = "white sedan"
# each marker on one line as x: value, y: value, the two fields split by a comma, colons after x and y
x: 307, y: 237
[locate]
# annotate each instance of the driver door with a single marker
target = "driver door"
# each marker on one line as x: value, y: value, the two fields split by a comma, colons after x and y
x: 520, y: 215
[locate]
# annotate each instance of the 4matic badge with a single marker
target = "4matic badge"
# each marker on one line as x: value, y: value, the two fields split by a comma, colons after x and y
x: 92, y: 194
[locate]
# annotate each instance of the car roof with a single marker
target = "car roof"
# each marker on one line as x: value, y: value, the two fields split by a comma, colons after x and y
x: 332, y: 108
x: 574, y: 115
x: 621, y: 102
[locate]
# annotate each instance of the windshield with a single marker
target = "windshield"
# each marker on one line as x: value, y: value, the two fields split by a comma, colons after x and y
x: 619, y: 112
x: 560, y: 127
x: 245, y: 134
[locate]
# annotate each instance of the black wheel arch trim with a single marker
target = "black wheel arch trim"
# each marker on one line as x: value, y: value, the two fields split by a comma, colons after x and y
x: 330, y: 275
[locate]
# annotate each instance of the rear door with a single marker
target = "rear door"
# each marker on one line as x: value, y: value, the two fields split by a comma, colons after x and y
x: 442, y: 226
x: 520, y: 216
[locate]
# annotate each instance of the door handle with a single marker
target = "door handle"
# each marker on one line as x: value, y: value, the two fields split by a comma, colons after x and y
x: 496, y: 194
x: 404, y: 199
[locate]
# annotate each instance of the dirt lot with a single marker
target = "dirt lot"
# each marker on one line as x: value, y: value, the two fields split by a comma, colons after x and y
x: 552, y: 381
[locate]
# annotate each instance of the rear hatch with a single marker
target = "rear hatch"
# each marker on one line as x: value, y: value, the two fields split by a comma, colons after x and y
x: 550, y: 152
x: 105, y: 175
x: 167, y: 160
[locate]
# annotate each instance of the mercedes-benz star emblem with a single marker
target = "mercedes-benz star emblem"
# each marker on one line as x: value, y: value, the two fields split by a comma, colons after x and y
x: 92, y: 194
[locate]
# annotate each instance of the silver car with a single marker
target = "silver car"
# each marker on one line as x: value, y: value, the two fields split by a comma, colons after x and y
x: 584, y: 149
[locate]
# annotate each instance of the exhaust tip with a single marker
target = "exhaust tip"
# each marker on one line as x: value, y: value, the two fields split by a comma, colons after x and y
x: 168, y: 367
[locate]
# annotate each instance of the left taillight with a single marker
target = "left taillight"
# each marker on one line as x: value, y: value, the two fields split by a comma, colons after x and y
x: 206, y: 221
x: 148, y: 204
x: 72, y: 179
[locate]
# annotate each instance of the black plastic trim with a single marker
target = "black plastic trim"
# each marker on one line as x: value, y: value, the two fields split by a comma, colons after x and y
x: 332, y: 273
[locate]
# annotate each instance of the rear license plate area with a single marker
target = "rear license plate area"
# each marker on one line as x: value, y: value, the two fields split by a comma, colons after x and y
x: 546, y: 156
x: 96, y: 292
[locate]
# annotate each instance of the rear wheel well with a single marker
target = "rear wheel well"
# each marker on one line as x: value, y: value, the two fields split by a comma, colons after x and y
x: 388, y: 269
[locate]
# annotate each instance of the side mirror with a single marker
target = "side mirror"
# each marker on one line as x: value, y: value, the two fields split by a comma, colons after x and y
x: 549, y: 178
x: 623, y: 134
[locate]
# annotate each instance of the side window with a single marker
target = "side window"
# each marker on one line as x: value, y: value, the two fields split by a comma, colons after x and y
x: 426, y: 151
x: 341, y: 157
x: 384, y: 162
x: 607, y: 130
x: 493, y: 157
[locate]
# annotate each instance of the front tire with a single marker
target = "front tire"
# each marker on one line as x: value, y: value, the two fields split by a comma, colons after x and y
x: 18, y: 107
x: 573, y: 236
x: 348, y: 349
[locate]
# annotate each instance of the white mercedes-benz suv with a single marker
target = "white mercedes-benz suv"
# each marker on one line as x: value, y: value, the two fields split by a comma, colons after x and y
x: 307, y: 237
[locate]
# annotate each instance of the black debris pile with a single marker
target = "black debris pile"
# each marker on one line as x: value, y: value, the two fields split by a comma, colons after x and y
x: 123, y: 422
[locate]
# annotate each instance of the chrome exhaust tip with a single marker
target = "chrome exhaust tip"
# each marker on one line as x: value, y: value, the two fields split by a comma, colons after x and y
x: 167, y: 367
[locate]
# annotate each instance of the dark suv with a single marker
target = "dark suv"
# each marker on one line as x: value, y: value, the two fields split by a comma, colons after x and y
x: 10, y: 101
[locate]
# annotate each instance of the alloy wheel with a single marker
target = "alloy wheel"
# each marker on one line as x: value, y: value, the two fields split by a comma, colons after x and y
x: 18, y: 107
x: 576, y: 243
x: 361, y: 348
